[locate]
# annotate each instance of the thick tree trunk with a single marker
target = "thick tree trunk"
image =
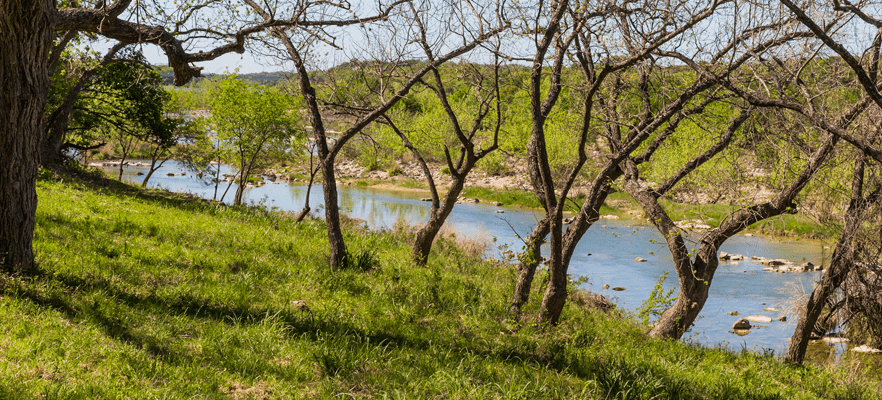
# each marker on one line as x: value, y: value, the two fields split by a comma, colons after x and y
x: 332, y: 214
x: 26, y: 31
x: 694, y: 291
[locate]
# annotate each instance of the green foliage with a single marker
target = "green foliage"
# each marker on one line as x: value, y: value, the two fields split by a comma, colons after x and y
x: 124, y: 102
x: 659, y: 300
x: 254, y: 124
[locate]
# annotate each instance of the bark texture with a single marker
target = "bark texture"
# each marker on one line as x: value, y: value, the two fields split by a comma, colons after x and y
x: 26, y: 30
x: 835, y: 275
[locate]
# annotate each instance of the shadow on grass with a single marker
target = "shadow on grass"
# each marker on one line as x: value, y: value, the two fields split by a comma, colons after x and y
x: 616, y: 378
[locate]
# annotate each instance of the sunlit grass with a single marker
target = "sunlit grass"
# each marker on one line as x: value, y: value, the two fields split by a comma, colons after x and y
x: 150, y: 296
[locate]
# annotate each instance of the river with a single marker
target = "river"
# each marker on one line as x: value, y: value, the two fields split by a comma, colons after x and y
x: 737, y: 286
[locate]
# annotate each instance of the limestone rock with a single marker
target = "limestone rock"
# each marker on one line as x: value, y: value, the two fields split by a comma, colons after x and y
x: 640, y: 259
x: 758, y: 318
x: 606, y: 286
x: 618, y: 288
x: 733, y: 313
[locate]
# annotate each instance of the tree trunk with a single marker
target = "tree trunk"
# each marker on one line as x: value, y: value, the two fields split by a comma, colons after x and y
x: 529, y: 261
x: 843, y: 257
x: 556, y: 292
x: 26, y: 31
x: 675, y: 321
x: 332, y: 214
x: 147, y: 177
x: 243, y: 179
x: 832, y: 279
x: 422, y: 245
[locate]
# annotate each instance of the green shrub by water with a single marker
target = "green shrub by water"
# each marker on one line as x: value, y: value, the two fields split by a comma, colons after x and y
x: 145, y: 295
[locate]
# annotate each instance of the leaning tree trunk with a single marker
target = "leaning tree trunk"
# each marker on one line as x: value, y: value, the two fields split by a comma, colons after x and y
x: 843, y: 256
x: 832, y: 279
x: 26, y: 32
x: 422, y: 245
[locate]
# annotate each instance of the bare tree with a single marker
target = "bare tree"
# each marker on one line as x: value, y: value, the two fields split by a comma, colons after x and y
x: 581, y: 34
x: 368, y: 114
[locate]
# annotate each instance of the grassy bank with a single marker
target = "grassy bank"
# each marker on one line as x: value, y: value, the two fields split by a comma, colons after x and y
x: 150, y: 296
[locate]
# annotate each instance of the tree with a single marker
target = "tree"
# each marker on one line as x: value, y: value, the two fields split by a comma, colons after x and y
x: 249, y: 120
x: 563, y: 32
x: 27, y: 31
x: 382, y: 101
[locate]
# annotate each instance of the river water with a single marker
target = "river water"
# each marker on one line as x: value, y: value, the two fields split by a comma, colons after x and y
x: 741, y: 286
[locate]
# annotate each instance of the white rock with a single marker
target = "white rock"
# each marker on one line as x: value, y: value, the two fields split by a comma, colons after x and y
x: 865, y: 349
x: 759, y: 318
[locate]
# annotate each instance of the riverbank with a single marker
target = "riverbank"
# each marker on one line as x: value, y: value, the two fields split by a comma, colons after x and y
x: 147, y: 294
x: 513, y: 190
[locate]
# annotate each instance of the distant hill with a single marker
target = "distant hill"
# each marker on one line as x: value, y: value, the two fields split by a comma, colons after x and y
x: 270, y: 77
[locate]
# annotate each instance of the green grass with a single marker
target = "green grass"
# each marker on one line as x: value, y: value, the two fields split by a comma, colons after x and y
x: 621, y: 204
x: 147, y: 295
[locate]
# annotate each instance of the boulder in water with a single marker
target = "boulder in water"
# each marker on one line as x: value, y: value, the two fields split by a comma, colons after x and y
x: 742, y: 323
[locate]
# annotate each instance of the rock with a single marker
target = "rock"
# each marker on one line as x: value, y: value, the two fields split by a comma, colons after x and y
x: 606, y: 286
x: 183, y: 173
x: 834, y: 339
x: 732, y: 313
x: 741, y: 332
x: 772, y: 309
x: 609, y: 216
x: 724, y: 256
x: 500, y: 211
x: 736, y: 257
x: 425, y: 199
x: 199, y: 175
x: 567, y: 221
x: 589, y: 254
x: 807, y: 267
x: 742, y: 323
x: 170, y: 174
x: 782, y: 318
x: 758, y: 318
x: 748, y: 234
x: 300, y: 305
x: 139, y: 173
x: 640, y: 259
x: 498, y: 204
x: 865, y: 349
x: 618, y: 288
